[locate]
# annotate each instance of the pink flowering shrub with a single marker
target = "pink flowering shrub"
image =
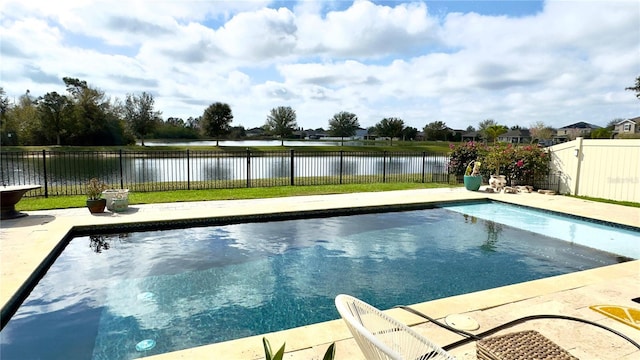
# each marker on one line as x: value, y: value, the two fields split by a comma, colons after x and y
x: 524, y: 164
x: 461, y: 155
x: 527, y: 164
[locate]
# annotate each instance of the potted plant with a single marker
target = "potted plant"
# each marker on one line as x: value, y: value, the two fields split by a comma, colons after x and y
x: 472, y: 177
x: 95, y: 202
x: 497, y: 159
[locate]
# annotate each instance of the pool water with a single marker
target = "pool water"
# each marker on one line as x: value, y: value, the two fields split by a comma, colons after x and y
x: 140, y: 294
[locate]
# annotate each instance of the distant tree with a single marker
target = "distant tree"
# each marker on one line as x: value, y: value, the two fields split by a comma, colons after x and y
x: 371, y: 131
x: 8, y: 127
x: 139, y: 114
x: 237, y: 132
x: 436, y: 130
x: 494, y: 131
x: 540, y: 132
x: 95, y: 120
x: 281, y: 121
x: 55, y: 112
x: 635, y: 88
x: 343, y: 124
x: 601, y: 133
x: 611, y: 125
x: 22, y: 122
x: 470, y: 128
x: 173, y: 121
x: 409, y: 133
x: 75, y: 87
x: 389, y: 127
x: 216, y: 120
x: 193, y: 123
x: 173, y: 128
x: 484, y: 125
x: 516, y: 127
x: 4, y: 104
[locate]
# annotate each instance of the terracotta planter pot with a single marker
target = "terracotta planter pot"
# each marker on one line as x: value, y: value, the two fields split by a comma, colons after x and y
x: 96, y: 206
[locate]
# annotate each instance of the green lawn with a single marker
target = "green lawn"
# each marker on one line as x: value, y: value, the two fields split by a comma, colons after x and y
x: 65, y: 202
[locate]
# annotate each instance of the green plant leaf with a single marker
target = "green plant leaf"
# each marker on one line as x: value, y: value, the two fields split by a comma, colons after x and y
x: 331, y: 352
x: 267, y: 349
x: 268, y: 353
x: 280, y: 354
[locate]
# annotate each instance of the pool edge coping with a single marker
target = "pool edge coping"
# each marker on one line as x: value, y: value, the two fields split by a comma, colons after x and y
x: 68, y: 228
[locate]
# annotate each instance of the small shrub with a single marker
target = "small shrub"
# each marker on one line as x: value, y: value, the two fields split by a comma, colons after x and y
x: 95, y: 188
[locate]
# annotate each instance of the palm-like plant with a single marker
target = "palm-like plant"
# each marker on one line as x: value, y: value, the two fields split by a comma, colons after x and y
x: 494, y: 131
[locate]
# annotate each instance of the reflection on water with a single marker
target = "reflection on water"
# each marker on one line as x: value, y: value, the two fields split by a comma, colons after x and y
x: 493, y: 232
x: 177, y: 166
x: 250, y: 143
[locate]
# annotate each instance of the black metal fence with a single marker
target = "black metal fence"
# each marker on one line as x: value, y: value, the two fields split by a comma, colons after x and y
x: 67, y: 172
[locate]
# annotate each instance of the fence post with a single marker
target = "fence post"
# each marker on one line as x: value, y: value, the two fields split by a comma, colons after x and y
x: 248, y: 168
x: 384, y: 167
x: 292, y: 167
x: 188, y: 172
x: 44, y: 171
x: 341, y: 156
x: 121, y: 171
x: 576, y: 174
x: 424, y: 159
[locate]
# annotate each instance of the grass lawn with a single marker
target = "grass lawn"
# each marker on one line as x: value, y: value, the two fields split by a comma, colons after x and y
x: 65, y: 202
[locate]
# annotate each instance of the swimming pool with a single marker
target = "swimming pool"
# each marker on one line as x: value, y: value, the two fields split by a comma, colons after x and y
x: 104, y: 296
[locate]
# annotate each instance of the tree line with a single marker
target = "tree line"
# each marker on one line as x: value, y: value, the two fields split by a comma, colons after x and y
x: 86, y: 116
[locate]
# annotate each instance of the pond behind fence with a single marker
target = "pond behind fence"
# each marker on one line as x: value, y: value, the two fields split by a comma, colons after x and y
x: 67, y: 172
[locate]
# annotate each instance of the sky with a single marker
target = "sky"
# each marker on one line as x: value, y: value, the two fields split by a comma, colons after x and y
x: 459, y: 62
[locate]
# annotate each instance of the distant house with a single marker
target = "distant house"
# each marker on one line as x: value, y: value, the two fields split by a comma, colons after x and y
x: 446, y: 134
x: 518, y: 136
x: 471, y: 136
x: 361, y: 134
x: 456, y: 134
x: 316, y: 134
x: 298, y: 134
x: 255, y: 132
x: 627, y: 127
x: 570, y: 132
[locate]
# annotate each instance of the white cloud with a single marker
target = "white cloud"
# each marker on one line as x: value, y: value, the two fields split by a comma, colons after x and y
x: 569, y: 62
x: 366, y: 29
x: 253, y: 36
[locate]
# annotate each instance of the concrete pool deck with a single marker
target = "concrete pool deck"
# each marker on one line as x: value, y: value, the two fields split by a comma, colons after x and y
x: 26, y: 242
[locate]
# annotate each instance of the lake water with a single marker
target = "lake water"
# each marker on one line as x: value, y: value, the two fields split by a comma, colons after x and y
x: 249, y: 143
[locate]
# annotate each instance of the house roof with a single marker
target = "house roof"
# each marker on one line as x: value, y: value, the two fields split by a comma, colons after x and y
x: 471, y: 134
x: 581, y: 125
x: 517, y: 133
x: 633, y: 120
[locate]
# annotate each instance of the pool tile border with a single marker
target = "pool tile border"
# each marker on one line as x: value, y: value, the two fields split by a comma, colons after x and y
x: 407, y: 200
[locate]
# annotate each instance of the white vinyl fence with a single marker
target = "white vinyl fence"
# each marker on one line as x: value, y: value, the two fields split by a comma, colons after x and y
x: 599, y: 168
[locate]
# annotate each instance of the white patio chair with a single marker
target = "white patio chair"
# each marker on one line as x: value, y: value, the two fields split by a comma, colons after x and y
x: 380, y: 336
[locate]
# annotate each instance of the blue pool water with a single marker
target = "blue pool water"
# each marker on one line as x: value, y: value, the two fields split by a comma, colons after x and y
x: 139, y: 294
